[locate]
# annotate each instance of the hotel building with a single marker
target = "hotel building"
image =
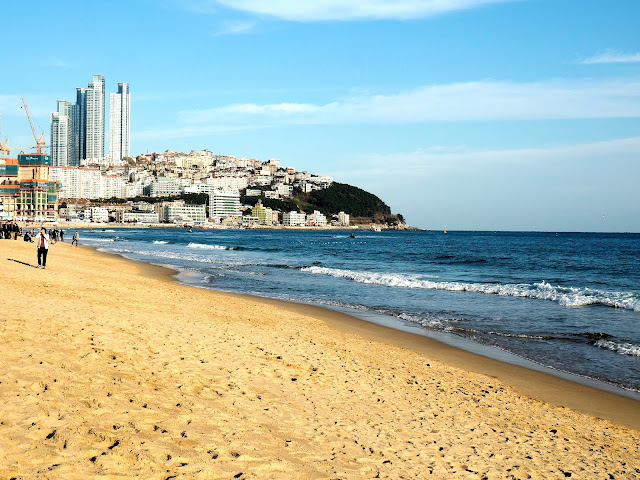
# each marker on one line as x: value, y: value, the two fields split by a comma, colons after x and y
x: 224, y: 203
x: 26, y: 191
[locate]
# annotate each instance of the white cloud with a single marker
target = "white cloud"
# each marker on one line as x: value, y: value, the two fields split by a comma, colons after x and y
x: 437, y: 159
x: 469, y: 101
x: 612, y: 56
x: 323, y: 10
x: 236, y: 28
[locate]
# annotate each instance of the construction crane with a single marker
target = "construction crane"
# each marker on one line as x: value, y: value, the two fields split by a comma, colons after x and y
x: 5, y: 149
x: 40, y: 143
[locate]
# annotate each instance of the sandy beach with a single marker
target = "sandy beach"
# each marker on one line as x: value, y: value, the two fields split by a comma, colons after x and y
x: 111, y: 369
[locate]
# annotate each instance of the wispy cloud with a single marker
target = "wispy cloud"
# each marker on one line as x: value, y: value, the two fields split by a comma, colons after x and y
x: 235, y: 28
x: 612, y: 56
x: 327, y: 10
x: 373, y: 168
x: 468, y: 101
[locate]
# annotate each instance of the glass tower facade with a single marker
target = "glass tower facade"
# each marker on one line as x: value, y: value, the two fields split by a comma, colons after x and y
x: 79, y: 121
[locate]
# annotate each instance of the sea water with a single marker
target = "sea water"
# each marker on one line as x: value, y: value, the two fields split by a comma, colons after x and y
x: 568, y: 301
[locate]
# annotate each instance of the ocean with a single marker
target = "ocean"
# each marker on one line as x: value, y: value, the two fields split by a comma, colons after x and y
x: 567, y: 303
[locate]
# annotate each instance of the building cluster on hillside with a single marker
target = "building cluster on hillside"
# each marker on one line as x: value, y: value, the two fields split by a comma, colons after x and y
x: 222, y: 177
x: 92, y: 186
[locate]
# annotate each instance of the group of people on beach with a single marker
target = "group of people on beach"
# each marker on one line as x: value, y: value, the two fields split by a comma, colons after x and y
x: 42, y: 238
x: 8, y: 230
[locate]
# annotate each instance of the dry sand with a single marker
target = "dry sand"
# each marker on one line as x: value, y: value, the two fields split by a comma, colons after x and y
x: 110, y: 369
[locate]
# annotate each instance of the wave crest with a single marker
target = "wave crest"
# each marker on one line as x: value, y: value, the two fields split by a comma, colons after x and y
x: 202, y: 246
x: 621, y: 348
x: 565, y: 296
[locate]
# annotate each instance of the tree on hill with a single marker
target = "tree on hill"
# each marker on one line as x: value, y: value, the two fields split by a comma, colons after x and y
x: 340, y: 197
x: 361, y: 205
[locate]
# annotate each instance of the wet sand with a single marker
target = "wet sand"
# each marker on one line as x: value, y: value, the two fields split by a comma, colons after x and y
x: 111, y: 369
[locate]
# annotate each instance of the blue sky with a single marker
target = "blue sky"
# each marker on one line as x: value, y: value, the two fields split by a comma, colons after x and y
x: 475, y: 114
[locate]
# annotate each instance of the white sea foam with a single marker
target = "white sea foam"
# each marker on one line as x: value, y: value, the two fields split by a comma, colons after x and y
x: 202, y: 246
x: 425, y: 322
x: 565, y: 296
x: 102, y: 240
x: 160, y: 242
x: 110, y: 231
x: 621, y: 348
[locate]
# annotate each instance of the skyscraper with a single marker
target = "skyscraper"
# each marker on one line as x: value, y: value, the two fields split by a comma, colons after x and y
x: 79, y: 120
x: 119, y: 129
x: 95, y: 118
x: 61, y: 134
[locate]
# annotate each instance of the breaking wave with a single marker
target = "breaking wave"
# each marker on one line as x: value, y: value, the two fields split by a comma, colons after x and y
x: 160, y: 242
x: 621, y: 348
x: 202, y: 246
x: 565, y: 296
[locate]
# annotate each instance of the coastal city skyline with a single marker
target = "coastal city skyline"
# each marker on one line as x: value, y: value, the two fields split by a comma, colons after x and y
x: 506, y: 115
x: 78, y: 130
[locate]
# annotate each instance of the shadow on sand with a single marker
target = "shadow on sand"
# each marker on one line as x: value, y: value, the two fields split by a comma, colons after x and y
x: 23, y: 263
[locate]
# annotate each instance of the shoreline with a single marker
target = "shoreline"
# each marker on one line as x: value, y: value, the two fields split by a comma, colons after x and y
x: 113, y: 368
x: 538, y: 385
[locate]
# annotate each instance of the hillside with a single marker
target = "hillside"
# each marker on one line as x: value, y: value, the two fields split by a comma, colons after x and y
x: 362, y: 206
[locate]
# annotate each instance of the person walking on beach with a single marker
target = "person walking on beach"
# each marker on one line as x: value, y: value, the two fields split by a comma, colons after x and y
x: 42, y: 242
x: 62, y: 235
x: 76, y: 236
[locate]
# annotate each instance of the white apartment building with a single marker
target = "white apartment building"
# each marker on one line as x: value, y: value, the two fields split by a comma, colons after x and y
x: 165, y: 187
x: 119, y: 128
x: 111, y: 186
x: 61, y: 134
x: 305, y: 186
x: 260, y: 181
x: 293, y: 219
x: 137, y: 217
x: 224, y: 203
x: 183, y: 213
x: 131, y: 190
x: 89, y: 182
x: 97, y: 214
x: 283, y: 190
x: 227, y: 182
x: 321, y: 182
x: 316, y: 219
x: 69, y: 178
x: 95, y: 118
x: 77, y: 182
x: 343, y: 219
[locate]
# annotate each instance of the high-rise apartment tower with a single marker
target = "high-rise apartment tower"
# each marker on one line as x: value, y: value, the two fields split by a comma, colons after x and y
x: 79, y: 120
x: 119, y: 129
x: 62, y: 134
x: 95, y: 118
